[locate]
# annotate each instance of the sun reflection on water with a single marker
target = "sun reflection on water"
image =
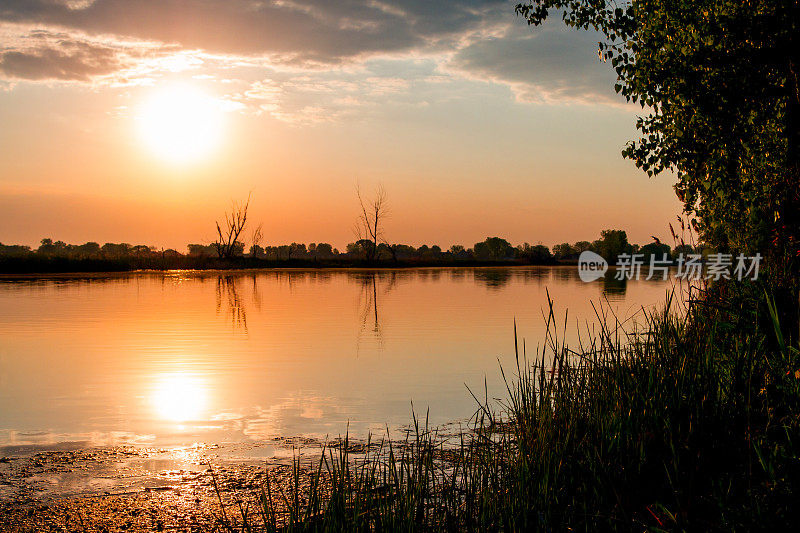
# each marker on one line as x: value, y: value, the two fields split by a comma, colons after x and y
x: 179, y: 397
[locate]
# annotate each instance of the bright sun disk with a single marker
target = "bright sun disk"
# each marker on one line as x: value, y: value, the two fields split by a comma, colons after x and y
x: 179, y: 397
x: 180, y: 123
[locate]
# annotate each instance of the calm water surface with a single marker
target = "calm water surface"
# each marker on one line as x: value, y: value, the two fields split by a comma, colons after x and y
x: 181, y: 358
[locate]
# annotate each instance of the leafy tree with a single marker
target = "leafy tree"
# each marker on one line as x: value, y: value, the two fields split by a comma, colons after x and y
x: 88, y: 249
x: 494, y: 249
x: 537, y: 253
x: 719, y: 82
x: 581, y: 246
x: 456, y: 249
x: 48, y: 247
x: 323, y: 249
x: 362, y: 249
x: 684, y: 249
x: 403, y: 251
x: 385, y: 250
x: 563, y: 250
x: 142, y: 250
x: 199, y: 250
x: 611, y: 244
x: 114, y: 250
x: 14, y: 250
x: 297, y: 250
x: 657, y: 249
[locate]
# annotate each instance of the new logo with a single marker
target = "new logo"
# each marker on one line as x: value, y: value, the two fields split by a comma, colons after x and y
x: 591, y: 266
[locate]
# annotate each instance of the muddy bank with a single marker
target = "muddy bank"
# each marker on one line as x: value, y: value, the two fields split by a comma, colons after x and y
x: 139, y: 489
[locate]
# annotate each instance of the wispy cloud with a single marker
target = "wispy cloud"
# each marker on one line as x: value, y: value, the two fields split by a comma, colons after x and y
x: 550, y: 64
x: 70, y: 61
x: 301, y: 62
x: 316, y: 30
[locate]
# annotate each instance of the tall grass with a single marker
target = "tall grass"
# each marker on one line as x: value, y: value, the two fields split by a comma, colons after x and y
x: 688, y: 423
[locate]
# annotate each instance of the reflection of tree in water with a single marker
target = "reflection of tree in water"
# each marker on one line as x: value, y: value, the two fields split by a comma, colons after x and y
x: 614, y: 286
x: 458, y: 274
x: 369, y: 298
x: 368, y: 303
x: 428, y: 274
x: 256, y: 292
x: 533, y: 275
x: 565, y: 273
x: 286, y: 277
x: 229, y: 299
x: 493, y: 278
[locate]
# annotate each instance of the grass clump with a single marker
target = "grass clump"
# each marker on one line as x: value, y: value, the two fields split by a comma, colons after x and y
x: 689, y: 423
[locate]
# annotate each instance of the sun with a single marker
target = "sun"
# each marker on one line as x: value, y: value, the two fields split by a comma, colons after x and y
x: 180, y: 124
x: 179, y: 397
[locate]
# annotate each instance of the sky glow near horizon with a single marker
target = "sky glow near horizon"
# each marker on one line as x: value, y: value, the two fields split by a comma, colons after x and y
x: 474, y: 123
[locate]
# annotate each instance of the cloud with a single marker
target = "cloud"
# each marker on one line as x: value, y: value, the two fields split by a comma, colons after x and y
x: 36, y: 54
x: 307, y: 30
x: 300, y: 60
x: 545, y: 64
x: 302, y: 97
x: 70, y: 61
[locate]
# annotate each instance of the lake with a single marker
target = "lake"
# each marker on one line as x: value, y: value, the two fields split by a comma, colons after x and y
x: 177, y: 358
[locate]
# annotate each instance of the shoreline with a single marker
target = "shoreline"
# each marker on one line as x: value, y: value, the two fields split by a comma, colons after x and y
x: 140, y: 487
x: 249, y: 270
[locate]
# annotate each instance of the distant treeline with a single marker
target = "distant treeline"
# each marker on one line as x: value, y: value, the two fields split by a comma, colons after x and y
x: 58, y: 256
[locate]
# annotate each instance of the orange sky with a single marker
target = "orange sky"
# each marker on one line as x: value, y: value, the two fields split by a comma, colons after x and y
x: 475, y: 124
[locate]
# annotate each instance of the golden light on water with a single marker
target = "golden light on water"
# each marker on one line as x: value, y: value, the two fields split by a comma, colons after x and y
x: 180, y: 123
x: 179, y: 397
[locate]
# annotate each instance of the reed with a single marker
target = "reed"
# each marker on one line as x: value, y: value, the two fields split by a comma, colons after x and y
x: 686, y: 422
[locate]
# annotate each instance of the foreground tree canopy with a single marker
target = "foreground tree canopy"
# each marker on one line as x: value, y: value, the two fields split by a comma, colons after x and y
x: 718, y: 80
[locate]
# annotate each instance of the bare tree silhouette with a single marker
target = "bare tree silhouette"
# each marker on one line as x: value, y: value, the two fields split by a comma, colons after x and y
x: 369, y: 226
x: 234, y: 224
x: 255, y: 241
